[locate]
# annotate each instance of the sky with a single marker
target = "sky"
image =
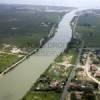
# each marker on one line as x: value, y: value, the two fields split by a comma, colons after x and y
x: 75, y: 3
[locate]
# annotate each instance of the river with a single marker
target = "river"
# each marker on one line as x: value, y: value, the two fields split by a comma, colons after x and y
x: 15, y: 84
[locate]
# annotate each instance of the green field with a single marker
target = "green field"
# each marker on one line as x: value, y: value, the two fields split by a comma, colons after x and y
x: 88, y: 29
x: 7, y: 60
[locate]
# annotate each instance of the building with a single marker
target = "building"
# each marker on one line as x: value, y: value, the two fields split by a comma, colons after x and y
x: 97, y: 74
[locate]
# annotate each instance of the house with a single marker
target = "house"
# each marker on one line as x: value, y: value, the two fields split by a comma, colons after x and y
x: 97, y: 74
x: 54, y: 84
x: 45, y: 79
x: 74, y: 86
x: 93, y: 67
x: 80, y: 69
x: 80, y: 87
x: 78, y: 95
x: 15, y: 50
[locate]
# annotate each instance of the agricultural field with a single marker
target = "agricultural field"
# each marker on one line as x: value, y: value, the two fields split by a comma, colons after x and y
x: 88, y: 29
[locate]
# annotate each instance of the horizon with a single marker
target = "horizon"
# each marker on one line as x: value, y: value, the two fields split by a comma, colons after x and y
x: 64, y: 3
x: 35, y: 5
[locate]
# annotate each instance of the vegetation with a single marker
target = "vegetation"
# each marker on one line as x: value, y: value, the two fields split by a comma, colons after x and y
x: 88, y: 29
x: 73, y: 96
x: 85, y: 96
x: 54, y: 74
x: 98, y: 96
x: 89, y: 95
x: 25, y: 27
x: 72, y: 52
x: 7, y: 60
x: 42, y: 96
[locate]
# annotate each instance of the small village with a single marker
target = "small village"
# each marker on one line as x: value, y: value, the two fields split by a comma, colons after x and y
x: 86, y: 83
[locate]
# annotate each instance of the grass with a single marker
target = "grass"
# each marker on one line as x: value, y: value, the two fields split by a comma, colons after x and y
x: 98, y: 79
x: 88, y: 29
x: 74, y: 54
x: 59, y: 58
x: 42, y: 96
x: 69, y: 53
x: 7, y: 60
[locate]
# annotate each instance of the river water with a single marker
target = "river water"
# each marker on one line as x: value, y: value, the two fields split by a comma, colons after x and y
x: 15, y: 84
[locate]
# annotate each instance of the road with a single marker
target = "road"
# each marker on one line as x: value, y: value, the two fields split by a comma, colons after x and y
x: 65, y: 92
x: 72, y: 75
x: 88, y: 73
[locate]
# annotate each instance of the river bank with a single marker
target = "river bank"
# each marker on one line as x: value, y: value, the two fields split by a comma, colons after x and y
x: 44, y: 40
x: 15, y: 84
x: 53, y: 80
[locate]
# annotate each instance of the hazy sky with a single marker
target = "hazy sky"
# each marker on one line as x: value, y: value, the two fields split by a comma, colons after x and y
x: 78, y: 3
